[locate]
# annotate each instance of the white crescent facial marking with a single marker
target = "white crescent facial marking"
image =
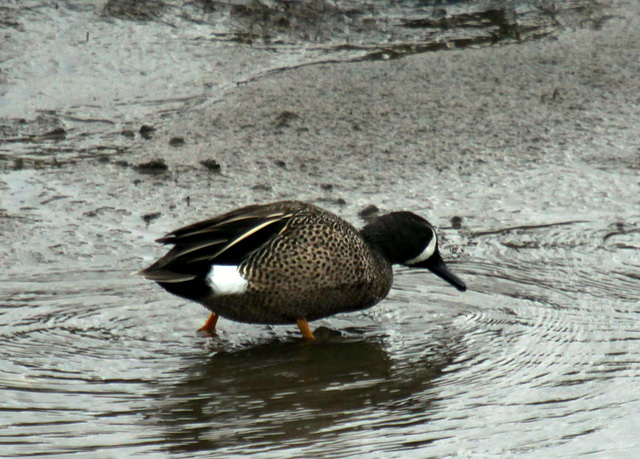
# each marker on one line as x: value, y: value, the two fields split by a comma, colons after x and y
x: 226, y: 280
x: 426, y: 253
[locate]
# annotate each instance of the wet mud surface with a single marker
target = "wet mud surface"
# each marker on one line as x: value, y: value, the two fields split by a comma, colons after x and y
x: 512, y: 128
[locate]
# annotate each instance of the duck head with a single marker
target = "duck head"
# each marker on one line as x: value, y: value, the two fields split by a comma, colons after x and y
x: 408, y: 239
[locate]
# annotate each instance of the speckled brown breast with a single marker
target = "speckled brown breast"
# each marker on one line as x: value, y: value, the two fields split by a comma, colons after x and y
x: 318, y: 265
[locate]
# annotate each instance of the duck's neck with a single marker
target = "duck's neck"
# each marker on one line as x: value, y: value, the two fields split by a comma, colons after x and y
x: 379, y: 239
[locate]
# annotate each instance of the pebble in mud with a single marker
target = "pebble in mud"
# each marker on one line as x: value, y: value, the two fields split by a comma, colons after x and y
x: 334, y: 201
x: 262, y: 187
x: 146, y: 131
x: 284, y: 119
x: 155, y: 166
x: 368, y: 212
x: 18, y: 164
x: 211, y: 165
x: 148, y: 218
x: 176, y: 141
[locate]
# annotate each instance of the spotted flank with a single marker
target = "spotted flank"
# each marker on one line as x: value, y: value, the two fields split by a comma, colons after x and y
x: 290, y: 262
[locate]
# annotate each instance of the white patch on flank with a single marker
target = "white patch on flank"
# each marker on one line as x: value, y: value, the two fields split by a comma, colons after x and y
x: 226, y: 280
x: 426, y: 253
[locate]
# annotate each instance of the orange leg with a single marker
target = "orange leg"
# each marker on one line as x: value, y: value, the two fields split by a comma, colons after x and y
x: 303, y: 325
x: 210, y: 325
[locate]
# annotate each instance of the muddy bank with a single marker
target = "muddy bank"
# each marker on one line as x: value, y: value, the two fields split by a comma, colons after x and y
x: 427, y: 122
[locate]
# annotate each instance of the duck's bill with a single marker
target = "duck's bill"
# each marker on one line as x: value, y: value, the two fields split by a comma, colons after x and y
x: 443, y: 272
x: 437, y: 266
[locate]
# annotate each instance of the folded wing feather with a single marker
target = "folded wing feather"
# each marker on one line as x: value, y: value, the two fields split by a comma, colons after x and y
x: 225, y: 240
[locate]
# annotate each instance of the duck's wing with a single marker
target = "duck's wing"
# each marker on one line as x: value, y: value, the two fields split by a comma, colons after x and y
x: 224, y: 240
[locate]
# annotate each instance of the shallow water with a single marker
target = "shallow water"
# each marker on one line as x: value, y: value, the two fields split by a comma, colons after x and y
x: 540, y: 354
x: 540, y: 357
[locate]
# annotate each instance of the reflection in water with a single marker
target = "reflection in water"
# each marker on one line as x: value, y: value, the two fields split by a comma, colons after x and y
x: 290, y: 394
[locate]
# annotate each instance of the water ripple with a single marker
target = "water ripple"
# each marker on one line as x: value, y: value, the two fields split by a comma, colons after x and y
x: 546, y: 336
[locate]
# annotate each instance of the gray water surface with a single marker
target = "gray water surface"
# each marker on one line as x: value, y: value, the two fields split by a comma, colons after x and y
x: 531, y: 144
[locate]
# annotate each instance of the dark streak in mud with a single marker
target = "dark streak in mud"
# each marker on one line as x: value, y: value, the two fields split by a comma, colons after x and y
x: 525, y: 228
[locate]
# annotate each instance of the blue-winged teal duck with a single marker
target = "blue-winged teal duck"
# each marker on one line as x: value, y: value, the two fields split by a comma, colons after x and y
x: 291, y: 262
